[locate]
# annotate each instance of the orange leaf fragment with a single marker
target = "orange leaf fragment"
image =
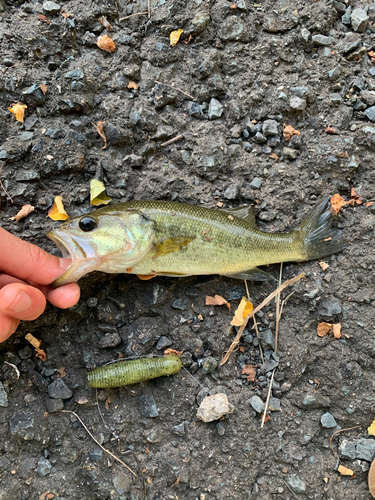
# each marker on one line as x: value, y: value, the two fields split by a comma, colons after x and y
x: 242, y: 312
x: 330, y: 130
x: 107, y: 403
x: 175, y: 36
x: 336, y: 330
x: 323, y: 265
x: 323, y: 328
x: 57, y: 211
x: 106, y: 43
x: 274, y: 156
x: 188, y: 40
x: 267, y: 418
x: 288, y: 131
x: 218, y: 300
x: 371, y: 479
x: 172, y: 352
x: 354, y: 196
x: 44, y: 19
x: 18, y: 110
x: 43, y: 88
x: 250, y: 371
x: 24, y: 212
x: 344, y: 471
x: 133, y: 85
x: 40, y: 354
x: 337, y: 202
x: 61, y: 372
x: 100, y: 129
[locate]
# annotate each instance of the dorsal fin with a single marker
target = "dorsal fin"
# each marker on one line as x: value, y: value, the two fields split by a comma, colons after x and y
x: 246, y: 213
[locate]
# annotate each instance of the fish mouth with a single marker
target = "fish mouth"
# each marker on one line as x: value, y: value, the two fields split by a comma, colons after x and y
x: 64, y: 243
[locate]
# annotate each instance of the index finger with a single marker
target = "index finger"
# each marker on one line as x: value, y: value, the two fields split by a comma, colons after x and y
x: 29, y: 262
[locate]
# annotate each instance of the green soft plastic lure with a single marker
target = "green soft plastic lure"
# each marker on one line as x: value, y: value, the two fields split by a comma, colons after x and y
x: 132, y: 372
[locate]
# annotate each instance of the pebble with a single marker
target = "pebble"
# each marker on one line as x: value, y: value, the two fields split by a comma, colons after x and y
x: 59, y: 390
x: 123, y: 483
x: 365, y: 449
x: 3, y: 396
x: 209, y: 365
x: 75, y: 74
x: 26, y: 352
x: 147, y: 405
x: 232, y: 192
x: 179, y: 429
x: 290, y: 154
x: 359, y: 20
x: 321, y: 40
x: 329, y: 308
x: 51, y: 8
x: 44, y: 467
x: 328, y: 420
x: 215, y: 109
x: 270, y: 128
x: 194, y: 109
x: 112, y: 134
x: 182, y: 304
x: 214, y: 407
x: 164, y: 132
x: 335, y: 98
x: 267, y: 338
x: 22, y: 425
x: 257, y: 404
x: 54, y: 405
x: 334, y: 74
x: 347, y: 450
x: 296, y: 483
x: 370, y: 113
x: 259, y: 138
x: 297, y: 104
x: 274, y: 404
x: 163, y: 343
x: 256, y: 183
x: 40, y: 383
x: 110, y: 340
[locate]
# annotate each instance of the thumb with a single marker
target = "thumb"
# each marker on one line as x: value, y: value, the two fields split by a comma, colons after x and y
x: 22, y: 301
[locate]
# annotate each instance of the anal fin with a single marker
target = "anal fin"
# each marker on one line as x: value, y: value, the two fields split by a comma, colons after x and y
x: 254, y: 274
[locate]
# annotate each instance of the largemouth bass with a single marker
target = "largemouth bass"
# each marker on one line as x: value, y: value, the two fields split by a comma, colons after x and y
x: 164, y: 238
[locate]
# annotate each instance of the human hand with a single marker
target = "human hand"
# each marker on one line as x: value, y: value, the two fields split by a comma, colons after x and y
x: 25, y: 273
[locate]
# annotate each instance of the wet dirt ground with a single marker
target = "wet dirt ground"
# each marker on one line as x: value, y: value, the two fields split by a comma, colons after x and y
x: 301, y: 63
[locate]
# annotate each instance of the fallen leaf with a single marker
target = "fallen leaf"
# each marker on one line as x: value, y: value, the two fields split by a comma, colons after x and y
x: 371, y: 479
x: 337, y: 202
x: 371, y: 429
x: 267, y: 418
x: 24, y: 212
x: 106, y: 43
x: 100, y: 129
x: 57, y: 211
x: 107, y: 403
x: 175, y: 36
x: 330, y: 130
x: 33, y: 340
x: 354, y: 196
x: 342, y: 154
x: 97, y: 193
x: 250, y: 371
x: 61, y: 372
x: 104, y: 22
x: 172, y: 352
x: 218, y: 300
x: 241, y: 313
x: 323, y: 265
x: 133, y: 85
x: 344, y: 471
x: 40, y: 354
x: 65, y: 14
x: 369, y: 204
x: 188, y: 40
x: 18, y: 110
x: 323, y: 329
x: 336, y: 330
x: 43, y: 88
x: 44, y: 19
x: 177, y: 482
x: 274, y: 156
x: 288, y: 131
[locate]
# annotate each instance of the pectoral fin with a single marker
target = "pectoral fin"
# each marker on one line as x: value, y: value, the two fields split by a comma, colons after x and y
x: 169, y: 245
x: 145, y: 277
x: 254, y: 274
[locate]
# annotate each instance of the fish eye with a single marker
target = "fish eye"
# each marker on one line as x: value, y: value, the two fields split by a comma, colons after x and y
x: 87, y: 224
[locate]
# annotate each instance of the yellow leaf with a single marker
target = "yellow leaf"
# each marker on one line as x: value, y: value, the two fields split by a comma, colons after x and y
x: 371, y: 429
x: 97, y: 193
x: 344, y: 471
x: 19, y: 110
x: 57, y: 211
x: 175, y: 36
x: 243, y: 310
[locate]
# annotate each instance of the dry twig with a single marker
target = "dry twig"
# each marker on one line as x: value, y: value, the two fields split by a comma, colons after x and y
x: 268, y: 399
x: 132, y: 15
x: 334, y: 434
x: 257, y: 309
x: 149, y: 8
x: 175, y: 88
x: 171, y: 141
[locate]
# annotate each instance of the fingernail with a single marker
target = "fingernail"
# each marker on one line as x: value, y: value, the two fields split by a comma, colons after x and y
x: 21, y: 302
x: 65, y: 263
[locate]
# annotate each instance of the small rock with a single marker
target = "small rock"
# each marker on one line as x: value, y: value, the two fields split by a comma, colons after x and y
x: 51, y: 8
x: 44, y: 467
x: 267, y: 338
x: 26, y: 352
x: 163, y: 133
x: 3, y: 396
x: 259, y: 138
x: 194, y: 109
x: 209, y: 365
x: 54, y: 405
x: 54, y: 133
x: 112, y: 134
x: 123, y: 483
x: 290, y: 154
x: 297, y: 104
x: 359, y: 19
x: 92, y: 302
x: 22, y: 425
x: 329, y: 308
x: 305, y: 34
x: 40, y: 383
x: 256, y: 183
x: 179, y: 429
x: 214, y: 407
x: 370, y: 113
x: 335, y: 98
x: 133, y: 160
x: 295, y: 142
x: 163, y: 343
x: 181, y: 304
x: 296, y: 483
x: 95, y: 454
x: 110, y: 340
x: 328, y: 420
x: 365, y: 449
x: 59, y: 390
x: 270, y: 128
x: 346, y: 18
x: 257, y: 404
x: 274, y: 404
x: 321, y: 40
x: 232, y: 192
x: 147, y: 405
x: 359, y: 84
x: 75, y: 74
x: 215, y: 109
x: 334, y: 74
x: 368, y: 96
x: 347, y: 450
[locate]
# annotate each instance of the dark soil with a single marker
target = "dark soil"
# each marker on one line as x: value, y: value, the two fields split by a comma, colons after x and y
x: 260, y: 62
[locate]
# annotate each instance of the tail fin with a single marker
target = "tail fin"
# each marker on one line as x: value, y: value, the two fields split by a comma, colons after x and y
x: 319, y: 238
